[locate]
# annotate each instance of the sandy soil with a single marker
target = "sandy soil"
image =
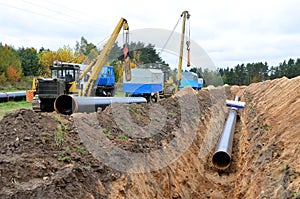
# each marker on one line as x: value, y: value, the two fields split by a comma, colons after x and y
x: 160, y: 150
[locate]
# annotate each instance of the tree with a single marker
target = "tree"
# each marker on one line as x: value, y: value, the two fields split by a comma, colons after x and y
x: 46, y: 59
x: 29, y: 60
x: 240, y: 74
x: 212, y: 78
x: 198, y: 71
x: 9, y: 58
x: 84, y: 47
x: 118, y: 70
x: 115, y: 53
x: 65, y: 54
x: 139, y: 55
x: 12, y: 74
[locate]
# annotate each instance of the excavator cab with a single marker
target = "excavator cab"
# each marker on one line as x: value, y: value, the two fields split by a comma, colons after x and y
x: 63, y: 81
x: 67, y: 71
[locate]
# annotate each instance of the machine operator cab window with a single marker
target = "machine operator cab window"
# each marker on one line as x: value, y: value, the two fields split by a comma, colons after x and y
x: 67, y: 71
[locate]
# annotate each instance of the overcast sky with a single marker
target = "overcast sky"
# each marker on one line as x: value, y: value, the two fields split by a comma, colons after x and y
x: 230, y: 32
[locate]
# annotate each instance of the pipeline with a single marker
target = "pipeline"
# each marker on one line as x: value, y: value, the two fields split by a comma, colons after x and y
x: 7, y: 96
x: 222, y: 156
x: 68, y: 104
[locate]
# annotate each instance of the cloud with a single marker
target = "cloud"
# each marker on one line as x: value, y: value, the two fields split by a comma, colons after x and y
x: 229, y: 31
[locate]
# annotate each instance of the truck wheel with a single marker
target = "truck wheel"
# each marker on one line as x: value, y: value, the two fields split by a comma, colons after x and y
x: 113, y: 91
x: 148, y: 98
x: 155, y: 97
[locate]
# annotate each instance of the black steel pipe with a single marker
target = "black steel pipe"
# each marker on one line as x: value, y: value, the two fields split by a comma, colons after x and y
x: 7, y: 96
x: 68, y: 104
x: 222, y: 156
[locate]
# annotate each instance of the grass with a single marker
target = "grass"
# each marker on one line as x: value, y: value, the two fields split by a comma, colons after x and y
x: 123, y: 137
x: 119, y: 94
x: 80, y: 149
x: 23, y: 84
x: 63, y: 158
x: 60, y: 136
x: 12, y: 106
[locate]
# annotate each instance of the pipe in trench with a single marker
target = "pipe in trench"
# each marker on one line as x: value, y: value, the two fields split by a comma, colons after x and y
x: 68, y: 104
x: 222, y: 156
x: 18, y: 95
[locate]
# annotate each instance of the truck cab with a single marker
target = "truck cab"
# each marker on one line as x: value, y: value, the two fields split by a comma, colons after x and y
x: 105, y: 84
x: 200, y: 83
x: 189, y: 79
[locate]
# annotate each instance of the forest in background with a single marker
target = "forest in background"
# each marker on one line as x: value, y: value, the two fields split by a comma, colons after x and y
x: 20, y: 65
x: 17, y: 65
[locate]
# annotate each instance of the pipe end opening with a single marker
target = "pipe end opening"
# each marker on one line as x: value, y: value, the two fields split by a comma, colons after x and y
x: 64, y: 104
x: 221, y: 160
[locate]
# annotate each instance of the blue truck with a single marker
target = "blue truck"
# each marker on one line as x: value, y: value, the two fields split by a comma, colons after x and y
x: 105, y: 84
x: 191, y: 79
x: 146, y: 83
x: 200, y: 83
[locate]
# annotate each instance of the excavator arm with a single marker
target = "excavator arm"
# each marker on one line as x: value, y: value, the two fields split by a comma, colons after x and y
x: 185, y: 15
x: 101, y: 60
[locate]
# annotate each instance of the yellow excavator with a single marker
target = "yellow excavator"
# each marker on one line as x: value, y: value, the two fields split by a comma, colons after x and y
x: 66, y: 76
x: 169, y: 86
x: 96, y: 65
x: 185, y: 15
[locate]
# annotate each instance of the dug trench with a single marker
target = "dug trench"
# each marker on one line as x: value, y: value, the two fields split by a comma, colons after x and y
x: 160, y: 150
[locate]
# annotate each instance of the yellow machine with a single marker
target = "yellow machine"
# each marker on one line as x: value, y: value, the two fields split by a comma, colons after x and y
x: 97, y: 65
x: 186, y: 16
x: 66, y: 76
x: 169, y: 86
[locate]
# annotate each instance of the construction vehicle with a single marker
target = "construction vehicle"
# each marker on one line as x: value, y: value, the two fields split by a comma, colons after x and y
x: 63, y: 81
x: 66, y: 77
x: 189, y: 79
x: 169, y: 87
x: 144, y: 84
x: 200, y: 83
x: 185, y: 15
x: 147, y: 83
x: 97, y: 65
x: 105, y: 84
x: 186, y: 78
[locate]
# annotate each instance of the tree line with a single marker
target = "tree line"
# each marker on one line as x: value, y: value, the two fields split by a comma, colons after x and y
x: 245, y: 74
x: 16, y: 64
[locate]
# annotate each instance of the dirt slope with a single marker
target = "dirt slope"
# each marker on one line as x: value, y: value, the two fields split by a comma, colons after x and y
x: 158, y: 150
x: 269, y: 164
x: 41, y: 156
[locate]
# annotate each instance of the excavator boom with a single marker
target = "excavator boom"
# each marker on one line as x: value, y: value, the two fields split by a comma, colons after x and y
x: 185, y: 15
x: 101, y: 60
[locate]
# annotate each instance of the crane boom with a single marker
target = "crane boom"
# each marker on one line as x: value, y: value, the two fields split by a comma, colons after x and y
x: 101, y: 60
x: 185, y: 15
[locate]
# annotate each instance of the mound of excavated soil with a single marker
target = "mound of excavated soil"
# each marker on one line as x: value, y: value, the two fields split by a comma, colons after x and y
x: 269, y: 155
x: 41, y: 156
x: 160, y: 150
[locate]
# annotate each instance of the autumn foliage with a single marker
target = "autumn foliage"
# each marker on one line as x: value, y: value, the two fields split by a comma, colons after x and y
x: 12, y: 74
x: 65, y: 54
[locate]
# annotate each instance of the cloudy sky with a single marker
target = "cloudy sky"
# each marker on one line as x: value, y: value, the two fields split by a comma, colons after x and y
x: 230, y: 32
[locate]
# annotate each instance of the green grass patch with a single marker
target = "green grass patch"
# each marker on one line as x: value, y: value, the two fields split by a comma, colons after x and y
x: 123, y: 137
x: 119, y: 94
x: 80, y: 149
x: 12, y: 106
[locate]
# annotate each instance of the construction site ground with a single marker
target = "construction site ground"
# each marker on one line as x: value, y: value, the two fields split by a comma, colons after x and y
x: 158, y: 150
